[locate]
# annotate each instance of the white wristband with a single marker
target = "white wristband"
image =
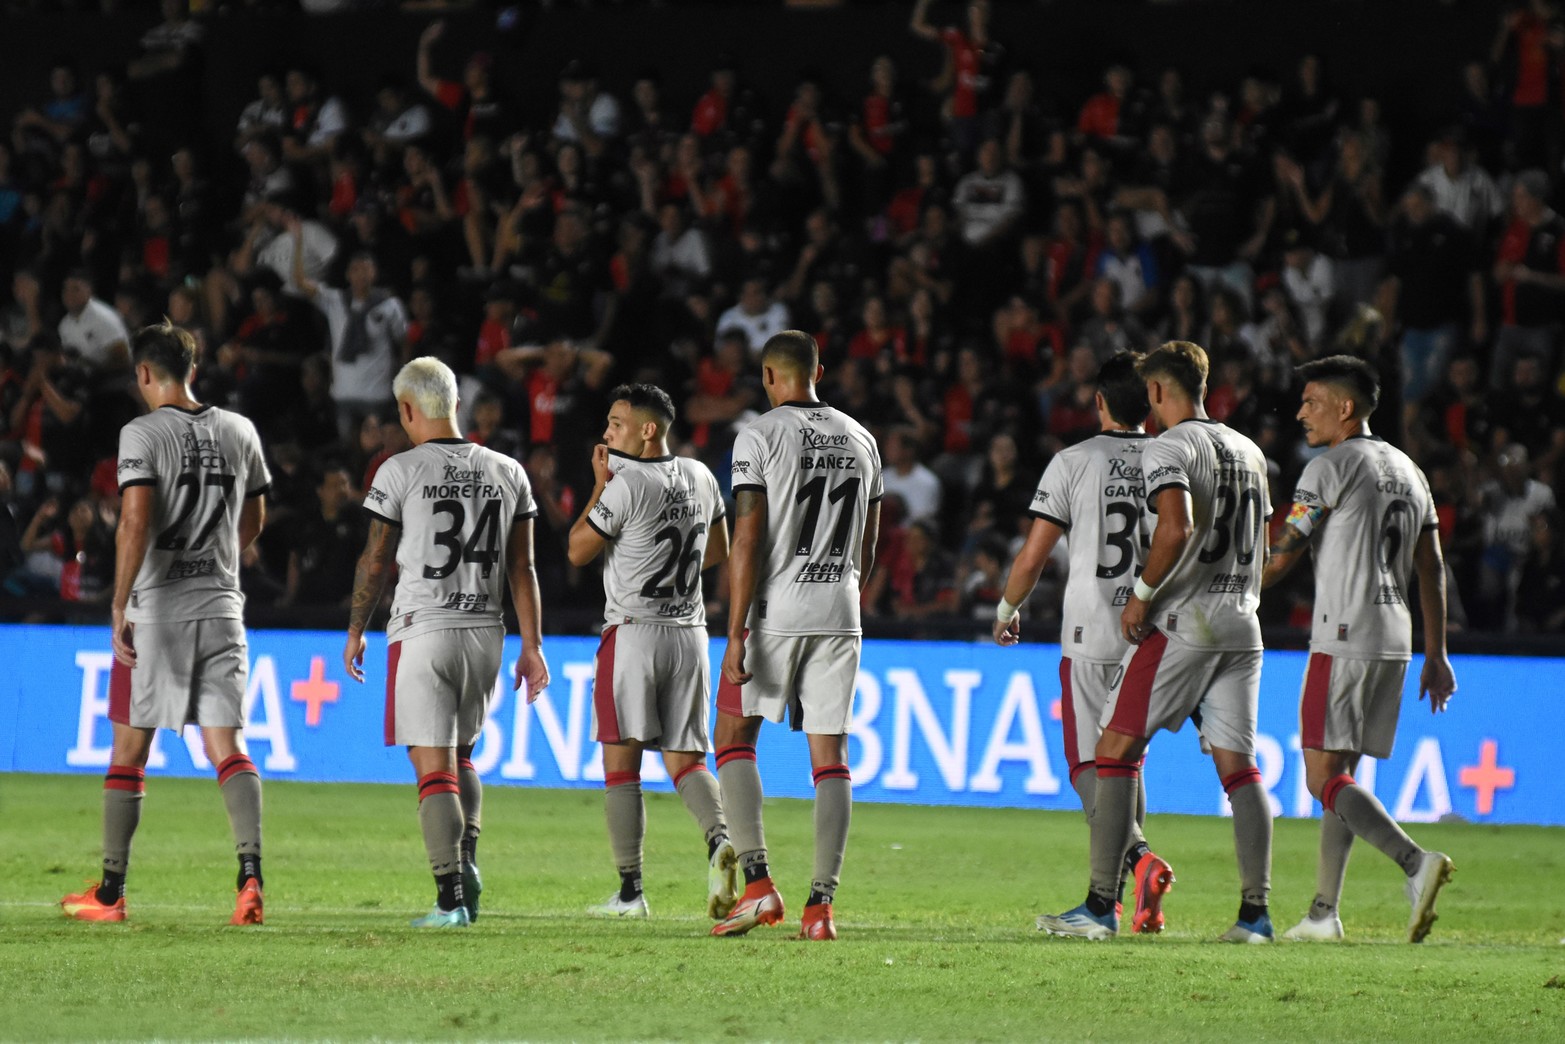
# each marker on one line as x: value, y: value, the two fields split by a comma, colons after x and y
x: 1145, y: 591
x: 1005, y: 611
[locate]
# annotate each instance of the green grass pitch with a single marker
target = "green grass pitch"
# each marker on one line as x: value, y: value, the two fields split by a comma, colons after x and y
x: 936, y: 917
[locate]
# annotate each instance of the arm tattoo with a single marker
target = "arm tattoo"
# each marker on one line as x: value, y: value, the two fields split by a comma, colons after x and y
x: 370, y: 575
x: 1289, y: 541
x: 748, y: 502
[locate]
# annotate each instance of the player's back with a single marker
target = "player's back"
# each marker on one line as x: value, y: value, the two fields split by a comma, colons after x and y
x: 203, y: 463
x: 1094, y: 491
x: 820, y: 471
x: 657, y: 515
x: 1210, y: 597
x: 455, y: 502
x: 1377, y: 504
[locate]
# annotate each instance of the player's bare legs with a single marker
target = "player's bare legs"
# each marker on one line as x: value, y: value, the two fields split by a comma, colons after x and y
x: 472, y: 795
x: 440, y: 819
x: 740, y: 781
x: 1328, y: 774
x: 240, y: 784
x: 1252, y: 843
x: 833, y: 812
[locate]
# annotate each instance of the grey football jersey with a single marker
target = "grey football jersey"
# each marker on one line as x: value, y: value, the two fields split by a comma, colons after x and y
x: 203, y: 463
x: 820, y: 471
x: 455, y: 501
x: 1210, y: 596
x: 1366, y: 504
x: 1093, y: 491
x: 656, y: 514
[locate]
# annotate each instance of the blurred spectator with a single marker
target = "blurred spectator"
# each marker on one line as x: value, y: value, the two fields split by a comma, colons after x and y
x: 907, y: 477
x: 922, y: 578
x: 971, y: 56
x: 1460, y: 188
x: 1540, y: 594
x: 91, y: 328
x: 1530, y: 268
x: 990, y: 200
x: 368, y: 331
x: 1510, y: 503
x: 1529, y: 414
x: 756, y: 315
x: 324, y: 543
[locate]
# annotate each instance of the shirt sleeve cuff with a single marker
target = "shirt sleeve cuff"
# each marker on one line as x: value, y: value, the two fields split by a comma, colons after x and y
x: 389, y: 521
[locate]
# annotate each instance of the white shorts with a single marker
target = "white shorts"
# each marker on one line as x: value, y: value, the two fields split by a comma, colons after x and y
x: 1084, y: 690
x: 811, y: 677
x: 438, y: 686
x: 188, y: 671
x: 1160, y: 683
x: 650, y: 684
x: 1351, y: 705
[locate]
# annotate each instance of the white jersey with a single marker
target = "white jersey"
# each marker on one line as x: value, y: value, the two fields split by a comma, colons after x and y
x: 820, y: 471
x: 1093, y: 491
x: 203, y: 464
x: 1366, y: 504
x: 656, y: 515
x: 455, y: 502
x: 1210, y: 596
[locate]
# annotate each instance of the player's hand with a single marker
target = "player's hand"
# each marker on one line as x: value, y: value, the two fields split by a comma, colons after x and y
x: 1133, y: 621
x: 353, y: 656
x: 600, y: 464
x: 1008, y: 632
x: 532, y: 669
x: 123, y: 637
x: 733, y: 663
x: 1438, y: 681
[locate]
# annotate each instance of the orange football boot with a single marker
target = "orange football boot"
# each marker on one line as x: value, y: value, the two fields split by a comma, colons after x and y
x: 817, y: 924
x: 760, y: 904
x: 85, y: 906
x: 1154, y: 878
x: 247, y: 906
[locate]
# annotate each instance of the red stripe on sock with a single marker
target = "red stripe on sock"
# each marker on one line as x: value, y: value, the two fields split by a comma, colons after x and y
x: 437, y: 783
x: 603, y: 689
x: 125, y: 777
x: 679, y: 776
x: 1333, y: 787
x: 1111, y: 769
x: 1080, y: 767
x: 831, y: 772
x: 232, y: 766
x: 1312, y: 706
x: 620, y: 779
x: 393, y: 654
x: 1242, y: 778
x: 737, y: 752
x: 464, y: 763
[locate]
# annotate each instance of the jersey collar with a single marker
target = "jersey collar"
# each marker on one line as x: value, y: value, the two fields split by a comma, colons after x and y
x: 447, y: 441
x: 805, y: 404
x: 1116, y: 434
x: 645, y: 460
x: 187, y: 411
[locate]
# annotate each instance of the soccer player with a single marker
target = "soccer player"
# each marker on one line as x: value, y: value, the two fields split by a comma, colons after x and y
x: 657, y: 519
x: 1365, y: 510
x: 1197, y: 642
x: 458, y: 521
x: 807, y: 488
x: 1093, y: 491
x: 191, y: 482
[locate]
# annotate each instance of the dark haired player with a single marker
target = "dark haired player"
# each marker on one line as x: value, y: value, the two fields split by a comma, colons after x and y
x: 807, y: 487
x: 1365, y: 510
x: 1197, y: 655
x: 1093, y: 492
x: 657, y: 519
x: 191, y: 482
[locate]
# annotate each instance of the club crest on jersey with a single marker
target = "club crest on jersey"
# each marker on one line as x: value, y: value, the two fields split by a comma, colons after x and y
x: 1172, y: 622
x: 1342, y: 632
x: 1078, y: 636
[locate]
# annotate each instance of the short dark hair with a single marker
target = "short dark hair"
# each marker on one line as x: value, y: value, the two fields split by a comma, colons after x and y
x: 1183, y: 363
x: 1352, y: 375
x: 648, y: 398
x: 1124, y: 391
x: 168, y: 349
x: 792, y: 350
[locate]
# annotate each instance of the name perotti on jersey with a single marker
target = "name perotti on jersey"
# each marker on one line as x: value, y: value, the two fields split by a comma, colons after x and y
x: 1210, y: 596
x: 455, y: 502
x: 1093, y: 491
x: 656, y: 514
x: 1367, y: 504
x: 203, y: 463
x: 820, y: 471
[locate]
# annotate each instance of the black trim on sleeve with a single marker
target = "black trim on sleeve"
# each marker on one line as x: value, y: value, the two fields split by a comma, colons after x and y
x: 263, y: 488
x: 376, y: 514
x: 1151, y: 500
x: 875, y: 500
x: 1430, y: 528
x: 137, y: 482
x: 597, y: 530
x: 750, y: 487
x: 1050, y: 518
x: 524, y: 516
x: 721, y: 516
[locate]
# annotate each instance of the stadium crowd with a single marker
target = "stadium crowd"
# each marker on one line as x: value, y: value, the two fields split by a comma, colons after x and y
x: 966, y: 250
